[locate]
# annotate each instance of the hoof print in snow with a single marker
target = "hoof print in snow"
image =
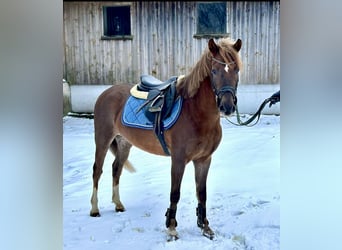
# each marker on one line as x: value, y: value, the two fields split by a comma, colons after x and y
x: 239, y: 240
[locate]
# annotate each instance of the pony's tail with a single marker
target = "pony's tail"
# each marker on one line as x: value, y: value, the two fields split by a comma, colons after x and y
x: 129, y: 166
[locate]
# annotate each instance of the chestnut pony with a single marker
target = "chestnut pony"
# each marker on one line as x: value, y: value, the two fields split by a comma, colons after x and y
x: 210, y: 88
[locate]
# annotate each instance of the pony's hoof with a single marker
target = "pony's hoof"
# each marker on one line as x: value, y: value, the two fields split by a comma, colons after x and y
x: 172, y: 235
x: 95, y: 214
x: 207, y: 232
x: 120, y: 209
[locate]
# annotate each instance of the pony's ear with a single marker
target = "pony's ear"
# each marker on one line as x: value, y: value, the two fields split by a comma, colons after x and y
x: 213, y: 47
x: 237, y: 45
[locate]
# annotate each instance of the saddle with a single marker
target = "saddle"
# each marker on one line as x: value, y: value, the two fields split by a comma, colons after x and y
x: 160, y: 98
x: 149, y: 83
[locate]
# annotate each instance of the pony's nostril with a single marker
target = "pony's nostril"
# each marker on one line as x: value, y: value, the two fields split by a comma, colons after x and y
x: 227, y: 110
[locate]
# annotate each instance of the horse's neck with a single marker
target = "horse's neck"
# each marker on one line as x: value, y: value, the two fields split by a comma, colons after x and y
x: 205, y: 100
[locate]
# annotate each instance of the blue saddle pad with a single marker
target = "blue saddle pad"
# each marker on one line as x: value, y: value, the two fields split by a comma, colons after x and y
x: 132, y: 118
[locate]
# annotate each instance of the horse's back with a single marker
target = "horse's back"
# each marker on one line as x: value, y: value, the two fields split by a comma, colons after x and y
x: 112, y: 99
x: 108, y: 108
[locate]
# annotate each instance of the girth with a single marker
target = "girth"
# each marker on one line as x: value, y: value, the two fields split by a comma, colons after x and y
x: 160, y: 100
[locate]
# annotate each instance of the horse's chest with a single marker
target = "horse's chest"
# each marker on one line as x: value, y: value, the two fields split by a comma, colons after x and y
x: 206, y: 143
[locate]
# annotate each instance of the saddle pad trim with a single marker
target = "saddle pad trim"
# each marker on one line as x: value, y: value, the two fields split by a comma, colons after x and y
x: 138, y: 93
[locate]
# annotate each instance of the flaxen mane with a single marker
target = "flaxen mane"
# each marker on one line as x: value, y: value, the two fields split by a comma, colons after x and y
x: 188, y: 86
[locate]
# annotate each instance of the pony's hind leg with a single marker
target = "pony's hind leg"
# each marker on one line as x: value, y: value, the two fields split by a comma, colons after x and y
x: 201, y: 173
x: 100, y: 154
x: 120, y: 148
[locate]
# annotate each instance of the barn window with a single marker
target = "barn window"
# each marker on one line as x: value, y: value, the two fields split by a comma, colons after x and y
x: 211, y: 20
x: 116, y: 22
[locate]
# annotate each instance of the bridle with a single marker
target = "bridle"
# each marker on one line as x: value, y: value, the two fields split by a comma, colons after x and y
x: 225, y: 89
x: 219, y: 93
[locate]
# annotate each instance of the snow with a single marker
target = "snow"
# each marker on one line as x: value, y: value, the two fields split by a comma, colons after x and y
x: 243, y: 204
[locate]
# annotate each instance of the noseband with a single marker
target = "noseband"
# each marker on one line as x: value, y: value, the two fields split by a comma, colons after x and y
x: 220, y: 92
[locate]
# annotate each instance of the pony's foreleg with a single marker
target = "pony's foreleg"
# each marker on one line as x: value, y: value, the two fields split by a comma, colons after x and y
x: 201, y: 173
x: 177, y: 171
x: 120, y: 148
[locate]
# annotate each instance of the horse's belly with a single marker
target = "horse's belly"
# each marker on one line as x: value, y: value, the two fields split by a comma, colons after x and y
x: 142, y: 139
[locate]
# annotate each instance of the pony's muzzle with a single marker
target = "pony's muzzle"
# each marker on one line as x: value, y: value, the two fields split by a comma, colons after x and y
x: 228, y: 104
x: 227, y: 109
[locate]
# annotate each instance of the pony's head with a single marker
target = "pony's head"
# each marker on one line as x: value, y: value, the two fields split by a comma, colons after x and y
x: 220, y: 63
x: 224, y: 74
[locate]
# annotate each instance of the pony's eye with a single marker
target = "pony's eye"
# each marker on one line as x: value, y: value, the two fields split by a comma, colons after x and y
x: 213, y: 71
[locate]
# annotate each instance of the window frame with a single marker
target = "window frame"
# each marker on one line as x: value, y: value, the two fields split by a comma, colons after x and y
x: 105, y: 35
x: 210, y: 34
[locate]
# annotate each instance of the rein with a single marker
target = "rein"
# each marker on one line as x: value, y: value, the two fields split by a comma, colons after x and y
x: 272, y: 100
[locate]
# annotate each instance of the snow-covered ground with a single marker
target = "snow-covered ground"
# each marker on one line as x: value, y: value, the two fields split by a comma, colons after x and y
x: 243, y: 194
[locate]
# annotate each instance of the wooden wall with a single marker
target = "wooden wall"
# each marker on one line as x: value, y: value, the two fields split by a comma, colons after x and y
x: 163, y: 44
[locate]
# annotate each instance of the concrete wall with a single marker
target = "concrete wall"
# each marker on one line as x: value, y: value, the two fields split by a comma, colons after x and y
x: 250, y: 97
x: 66, y: 98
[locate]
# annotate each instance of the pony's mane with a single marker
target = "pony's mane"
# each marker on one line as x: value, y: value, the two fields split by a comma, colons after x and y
x: 189, y: 85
